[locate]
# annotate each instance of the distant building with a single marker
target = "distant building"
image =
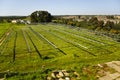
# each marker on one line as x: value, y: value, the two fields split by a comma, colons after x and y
x: 14, y: 21
x: 21, y: 21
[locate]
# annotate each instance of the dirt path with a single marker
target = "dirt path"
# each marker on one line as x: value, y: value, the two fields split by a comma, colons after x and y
x: 112, y: 76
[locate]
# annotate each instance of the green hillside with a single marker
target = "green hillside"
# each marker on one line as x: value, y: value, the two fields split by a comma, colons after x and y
x: 31, y: 52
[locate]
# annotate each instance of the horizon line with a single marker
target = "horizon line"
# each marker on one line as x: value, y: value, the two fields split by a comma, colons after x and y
x: 68, y: 15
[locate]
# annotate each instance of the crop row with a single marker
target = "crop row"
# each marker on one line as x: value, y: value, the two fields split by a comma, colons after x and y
x: 86, y: 34
x: 28, y: 46
x: 40, y: 35
x: 108, y: 42
x: 71, y: 43
x: 96, y: 48
x: 85, y: 42
x: 43, y: 45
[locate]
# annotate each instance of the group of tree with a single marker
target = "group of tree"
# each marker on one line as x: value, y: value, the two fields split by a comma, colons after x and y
x: 106, y: 26
x: 45, y: 16
x: 110, y: 17
x: 93, y: 24
x: 40, y: 16
x: 10, y: 18
x: 36, y: 17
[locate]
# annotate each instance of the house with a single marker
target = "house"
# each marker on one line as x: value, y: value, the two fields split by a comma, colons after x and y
x: 14, y: 21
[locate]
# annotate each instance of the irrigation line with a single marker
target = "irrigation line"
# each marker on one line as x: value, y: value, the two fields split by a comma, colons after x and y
x: 14, y: 47
x: 34, y: 46
x: 26, y: 41
x: 52, y: 44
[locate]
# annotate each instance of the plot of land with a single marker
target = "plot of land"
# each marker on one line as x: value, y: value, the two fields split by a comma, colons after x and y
x: 27, y: 48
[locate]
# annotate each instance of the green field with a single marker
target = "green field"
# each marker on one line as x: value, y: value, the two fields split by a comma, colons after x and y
x: 28, y: 48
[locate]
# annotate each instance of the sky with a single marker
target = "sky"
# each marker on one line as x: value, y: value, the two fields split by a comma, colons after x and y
x: 60, y: 7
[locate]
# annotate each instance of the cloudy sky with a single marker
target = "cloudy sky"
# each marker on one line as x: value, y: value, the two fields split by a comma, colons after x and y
x: 60, y: 7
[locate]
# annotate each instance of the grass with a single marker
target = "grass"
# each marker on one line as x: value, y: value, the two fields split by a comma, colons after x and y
x: 4, y: 28
x: 29, y: 45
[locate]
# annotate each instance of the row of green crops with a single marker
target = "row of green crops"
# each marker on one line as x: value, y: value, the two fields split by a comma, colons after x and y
x: 91, y: 45
x: 4, y: 27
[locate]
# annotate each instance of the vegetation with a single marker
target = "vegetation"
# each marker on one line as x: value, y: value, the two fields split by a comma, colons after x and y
x: 4, y: 28
x: 108, y: 28
x: 34, y: 51
x: 8, y: 19
x: 93, y: 24
x: 40, y: 16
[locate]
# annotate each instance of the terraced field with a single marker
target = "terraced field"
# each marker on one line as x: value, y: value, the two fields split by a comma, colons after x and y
x: 35, y: 50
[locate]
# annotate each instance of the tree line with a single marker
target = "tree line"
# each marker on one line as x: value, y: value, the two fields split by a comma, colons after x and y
x: 93, y: 24
x: 9, y: 18
x: 45, y: 16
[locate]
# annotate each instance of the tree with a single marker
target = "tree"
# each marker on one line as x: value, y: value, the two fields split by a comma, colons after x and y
x: 110, y: 17
x: 109, y: 25
x: 100, y: 24
x: 94, y: 21
x: 40, y: 16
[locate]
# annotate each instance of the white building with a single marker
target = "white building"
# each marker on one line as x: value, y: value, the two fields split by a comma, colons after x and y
x: 14, y: 21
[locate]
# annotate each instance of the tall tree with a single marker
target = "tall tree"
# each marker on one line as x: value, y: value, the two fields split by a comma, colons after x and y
x: 94, y: 21
x: 100, y: 24
x: 40, y: 16
x: 109, y: 25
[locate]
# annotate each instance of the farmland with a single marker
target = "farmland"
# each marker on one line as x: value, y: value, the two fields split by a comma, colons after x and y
x: 29, y: 48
